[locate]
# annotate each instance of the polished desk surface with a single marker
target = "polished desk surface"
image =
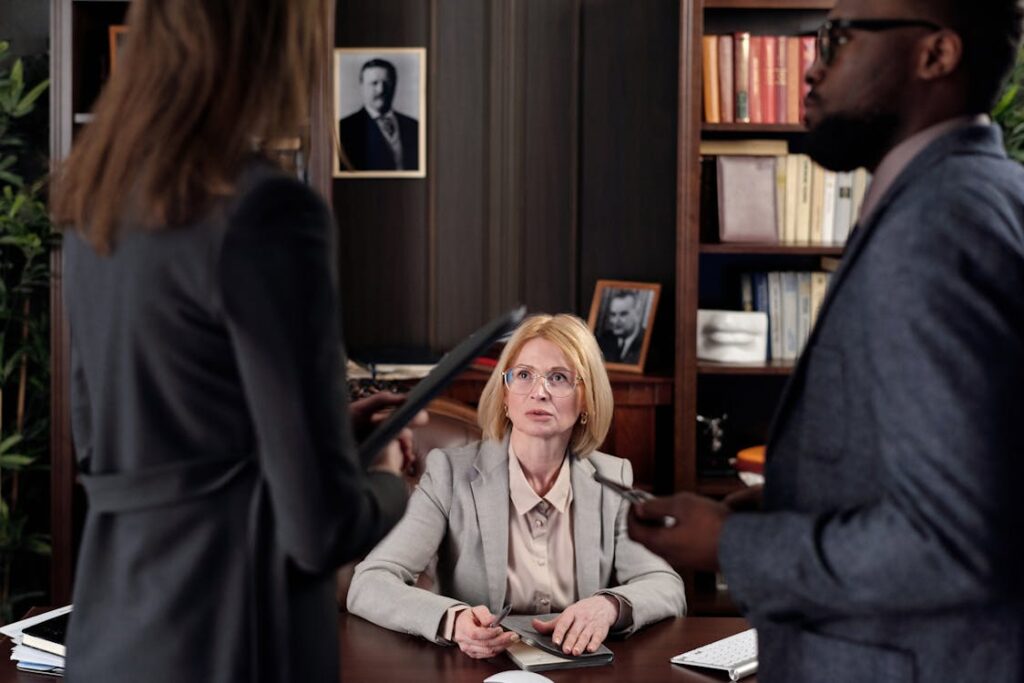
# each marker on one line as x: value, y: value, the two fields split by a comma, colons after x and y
x: 370, y: 653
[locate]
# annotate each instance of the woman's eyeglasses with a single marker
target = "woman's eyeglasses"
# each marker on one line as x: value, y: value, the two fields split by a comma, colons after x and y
x: 559, y: 383
x: 832, y: 34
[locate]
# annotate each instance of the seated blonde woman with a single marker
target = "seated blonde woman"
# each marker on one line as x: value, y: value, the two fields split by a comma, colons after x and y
x: 517, y: 519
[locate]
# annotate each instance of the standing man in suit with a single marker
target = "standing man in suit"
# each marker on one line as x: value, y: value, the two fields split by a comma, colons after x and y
x: 624, y: 337
x: 378, y: 138
x: 887, y: 541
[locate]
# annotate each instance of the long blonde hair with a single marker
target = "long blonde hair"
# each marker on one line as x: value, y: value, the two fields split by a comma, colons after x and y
x: 204, y: 84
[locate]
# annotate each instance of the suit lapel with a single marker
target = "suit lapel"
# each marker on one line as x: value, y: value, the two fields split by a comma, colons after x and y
x: 972, y: 139
x: 490, y: 498
x: 586, y: 503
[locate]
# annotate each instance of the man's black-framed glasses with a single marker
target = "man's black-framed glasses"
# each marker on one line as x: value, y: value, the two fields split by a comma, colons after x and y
x: 832, y: 34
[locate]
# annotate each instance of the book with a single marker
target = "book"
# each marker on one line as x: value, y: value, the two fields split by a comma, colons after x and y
x: 781, y: 168
x: 844, y: 208
x: 48, y: 635
x: 792, y: 198
x: 756, y: 76
x: 790, y: 288
x: 726, y: 74
x: 803, y: 313
x: 781, y: 79
x: 775, y: 315
x: 769, y: 79
x: 746, y: 199
x: 711, y: 95
x: 741, y: 82
x: 828, y: 209
x: 802, y: 233
x: 760, y: 284
x: 808, y: 53
x: 537, y: 652
x: 817, y: 204
x: 794, y: 80
x: 749, y: 147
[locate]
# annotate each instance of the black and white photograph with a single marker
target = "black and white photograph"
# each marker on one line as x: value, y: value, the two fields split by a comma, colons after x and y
x: 621, y: 317
x: 380, y: 110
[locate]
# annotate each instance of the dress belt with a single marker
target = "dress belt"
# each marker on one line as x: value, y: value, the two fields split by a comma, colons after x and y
x: 168, y: 484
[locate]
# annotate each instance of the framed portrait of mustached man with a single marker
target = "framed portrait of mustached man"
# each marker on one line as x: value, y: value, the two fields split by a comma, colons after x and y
x: 380, y: 112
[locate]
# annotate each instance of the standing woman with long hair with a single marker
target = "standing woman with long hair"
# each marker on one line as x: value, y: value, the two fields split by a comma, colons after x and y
x: 207, y: 397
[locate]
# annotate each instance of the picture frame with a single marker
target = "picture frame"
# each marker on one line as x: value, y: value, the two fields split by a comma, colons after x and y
x: 621, y: 318
x: 395, y: 84
x: 116, y: 36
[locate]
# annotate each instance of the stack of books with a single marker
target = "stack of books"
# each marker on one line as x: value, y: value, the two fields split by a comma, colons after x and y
x: 39, y: 641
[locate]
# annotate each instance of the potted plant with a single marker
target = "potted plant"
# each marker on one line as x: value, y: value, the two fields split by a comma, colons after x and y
x: 26, y: 235
x: 1009, y: 111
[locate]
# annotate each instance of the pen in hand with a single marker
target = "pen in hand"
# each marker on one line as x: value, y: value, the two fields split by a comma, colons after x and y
x: 505, y: 611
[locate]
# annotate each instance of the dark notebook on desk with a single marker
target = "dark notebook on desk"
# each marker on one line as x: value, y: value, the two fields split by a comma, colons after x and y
x: 47, y: 635
x: 537, y: 652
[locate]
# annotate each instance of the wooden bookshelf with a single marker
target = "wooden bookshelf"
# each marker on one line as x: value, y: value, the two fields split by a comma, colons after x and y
x: 770, y: 4
x: 706, y: 269
x: 772, y: 367
x: 776, y: 249
x: 753, y: 128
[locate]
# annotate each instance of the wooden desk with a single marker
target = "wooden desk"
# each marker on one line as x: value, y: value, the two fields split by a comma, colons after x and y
x: 370, y: 653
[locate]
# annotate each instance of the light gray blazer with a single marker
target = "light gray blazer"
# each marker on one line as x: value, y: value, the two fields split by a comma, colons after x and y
x: 459, y: 513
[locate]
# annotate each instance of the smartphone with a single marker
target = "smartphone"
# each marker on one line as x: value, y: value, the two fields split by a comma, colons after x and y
x: 632, y: 495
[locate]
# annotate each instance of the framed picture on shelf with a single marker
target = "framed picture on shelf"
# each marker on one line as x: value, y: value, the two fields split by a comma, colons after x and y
x: 117, y: 35
x: 380, y: 111
x: 621, y: 317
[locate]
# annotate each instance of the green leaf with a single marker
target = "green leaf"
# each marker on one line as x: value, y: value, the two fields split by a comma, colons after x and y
x: 11, y: 178
x: 16, y: 460
x: 27, y: 102
x: 12, y: 440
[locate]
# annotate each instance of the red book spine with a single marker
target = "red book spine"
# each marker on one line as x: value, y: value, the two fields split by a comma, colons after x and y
x: 756, y: 72
x: 781, y: 82
x: 769, y: 47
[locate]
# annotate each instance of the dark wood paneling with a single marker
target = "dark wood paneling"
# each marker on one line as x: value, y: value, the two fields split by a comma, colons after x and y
x: 629, y: 79
x: 550, y: 126
x: 458, y: 172
x: 382, y: 223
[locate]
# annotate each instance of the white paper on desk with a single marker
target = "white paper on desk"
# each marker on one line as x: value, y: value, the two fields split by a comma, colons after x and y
x: 24, y: 653
x: 14, y: 629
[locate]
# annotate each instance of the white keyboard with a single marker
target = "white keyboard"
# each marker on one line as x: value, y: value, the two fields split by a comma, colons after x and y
x: 736, y: 655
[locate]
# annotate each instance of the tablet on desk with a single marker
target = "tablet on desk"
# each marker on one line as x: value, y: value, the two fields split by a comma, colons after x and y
x: 454, y: 362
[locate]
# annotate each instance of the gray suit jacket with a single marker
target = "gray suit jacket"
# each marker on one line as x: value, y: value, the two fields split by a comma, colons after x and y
x: 889, y: 549
x: 460, y: 512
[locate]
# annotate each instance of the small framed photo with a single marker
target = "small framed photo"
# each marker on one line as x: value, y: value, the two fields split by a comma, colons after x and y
x: 621, y: 317
x: 116, y: 36
x: 380, y: 109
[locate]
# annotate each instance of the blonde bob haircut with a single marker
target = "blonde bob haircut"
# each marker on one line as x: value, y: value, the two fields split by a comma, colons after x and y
x: 575, y: 340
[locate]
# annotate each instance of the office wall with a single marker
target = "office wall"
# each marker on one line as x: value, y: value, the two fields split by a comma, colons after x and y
x: 537, y: 181
x: 26, y: 24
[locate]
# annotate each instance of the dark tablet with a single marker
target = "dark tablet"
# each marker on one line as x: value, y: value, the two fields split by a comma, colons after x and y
x: 447, y: 369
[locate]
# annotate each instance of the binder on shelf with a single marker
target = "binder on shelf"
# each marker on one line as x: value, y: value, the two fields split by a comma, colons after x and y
x: 746, y: 199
